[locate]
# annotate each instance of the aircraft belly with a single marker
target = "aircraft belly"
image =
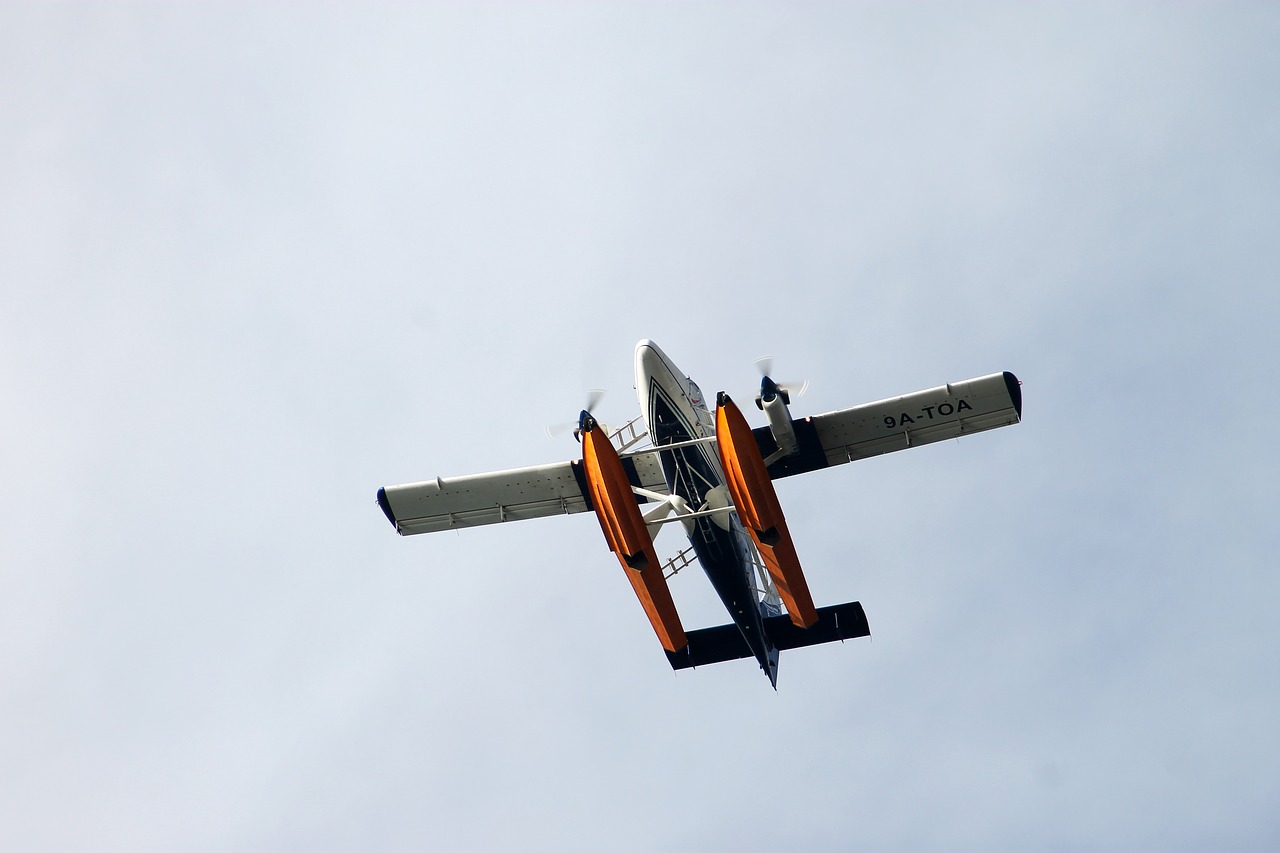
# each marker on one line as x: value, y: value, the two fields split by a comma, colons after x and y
x: 675, y: 412
x: 722, y: 551
x: 730, y: 576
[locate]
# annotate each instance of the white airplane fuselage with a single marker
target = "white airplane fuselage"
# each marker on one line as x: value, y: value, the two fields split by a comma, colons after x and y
x: 676, y: 411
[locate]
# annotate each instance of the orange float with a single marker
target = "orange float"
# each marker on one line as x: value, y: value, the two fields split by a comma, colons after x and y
x: 619, y: 514
x: 753, y: 496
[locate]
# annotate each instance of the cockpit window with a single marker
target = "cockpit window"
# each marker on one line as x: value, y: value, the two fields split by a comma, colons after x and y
x: 695, y: 393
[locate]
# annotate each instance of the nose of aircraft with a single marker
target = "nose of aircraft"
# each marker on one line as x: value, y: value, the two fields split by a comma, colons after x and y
x: 650, y: 361
x: 646, y: 352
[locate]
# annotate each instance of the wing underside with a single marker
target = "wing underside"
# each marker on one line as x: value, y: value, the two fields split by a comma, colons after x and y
x: 899, y: 423
x: 449, y: 503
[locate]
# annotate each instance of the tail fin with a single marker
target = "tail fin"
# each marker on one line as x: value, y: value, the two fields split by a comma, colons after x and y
x: 724, y: 642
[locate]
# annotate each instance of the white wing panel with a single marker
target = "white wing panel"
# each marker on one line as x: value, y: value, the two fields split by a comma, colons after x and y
x: 911, y: 420
x: 449, y: 503
x: 936, y: 414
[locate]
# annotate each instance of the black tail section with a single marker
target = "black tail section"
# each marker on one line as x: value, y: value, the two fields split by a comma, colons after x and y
x: 724, y: 642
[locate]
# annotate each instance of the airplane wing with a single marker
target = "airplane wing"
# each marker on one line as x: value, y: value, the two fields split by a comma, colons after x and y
x: 449, y: 503
x: 936, y: 414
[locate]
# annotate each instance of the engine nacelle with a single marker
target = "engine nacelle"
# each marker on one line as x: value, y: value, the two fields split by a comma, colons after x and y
x: 773, y: 402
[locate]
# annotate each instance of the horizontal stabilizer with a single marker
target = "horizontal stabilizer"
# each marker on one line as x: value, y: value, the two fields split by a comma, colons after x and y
x: 724, y: 642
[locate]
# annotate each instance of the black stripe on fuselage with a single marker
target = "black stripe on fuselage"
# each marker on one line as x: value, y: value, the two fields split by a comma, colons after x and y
x: 690, y: 473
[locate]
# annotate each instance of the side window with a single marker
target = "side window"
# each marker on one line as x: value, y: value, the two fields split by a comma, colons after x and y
x: 705, y: 420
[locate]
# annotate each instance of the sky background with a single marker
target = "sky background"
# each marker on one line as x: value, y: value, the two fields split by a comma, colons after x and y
x: 258, y: 260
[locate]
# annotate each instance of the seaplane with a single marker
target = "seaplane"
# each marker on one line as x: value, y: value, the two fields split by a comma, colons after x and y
x: 711, y: 472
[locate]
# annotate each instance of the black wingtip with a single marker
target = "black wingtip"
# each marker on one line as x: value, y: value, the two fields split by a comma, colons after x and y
x: 1015, y: 392
x: 386, y: 507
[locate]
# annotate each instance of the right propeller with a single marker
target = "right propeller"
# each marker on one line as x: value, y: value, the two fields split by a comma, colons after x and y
x: 773, y: 401
x: 770, y: 390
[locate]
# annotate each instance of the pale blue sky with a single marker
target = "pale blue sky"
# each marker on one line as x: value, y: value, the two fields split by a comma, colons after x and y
x: 257, y: 261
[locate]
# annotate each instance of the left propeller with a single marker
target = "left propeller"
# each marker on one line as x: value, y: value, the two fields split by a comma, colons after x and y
x: 586, y: 419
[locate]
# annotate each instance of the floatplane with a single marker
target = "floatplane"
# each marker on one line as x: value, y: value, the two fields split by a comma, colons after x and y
x: 679, y: 461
